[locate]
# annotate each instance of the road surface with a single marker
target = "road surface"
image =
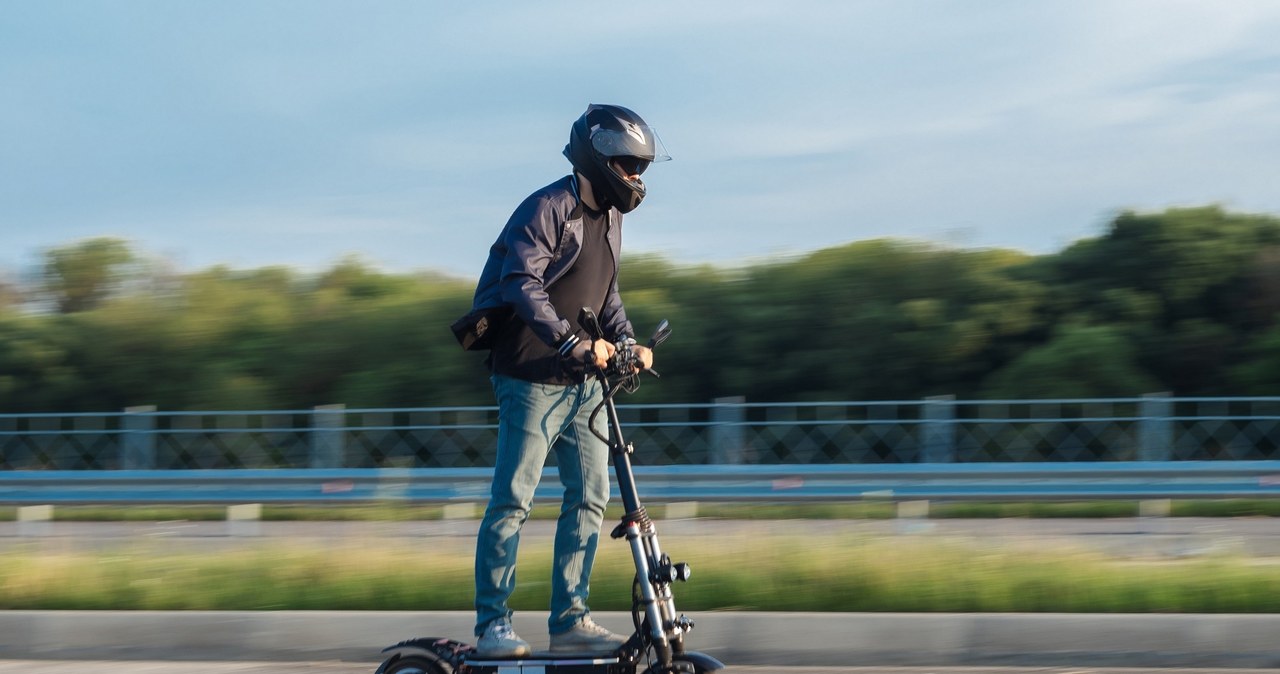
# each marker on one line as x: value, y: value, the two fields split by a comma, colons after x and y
x: 157, y: 667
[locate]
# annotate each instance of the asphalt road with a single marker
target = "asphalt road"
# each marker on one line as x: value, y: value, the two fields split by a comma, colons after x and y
x: 158, y: 667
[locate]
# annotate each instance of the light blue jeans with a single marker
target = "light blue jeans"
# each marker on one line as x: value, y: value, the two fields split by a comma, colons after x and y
x: 533, y: 419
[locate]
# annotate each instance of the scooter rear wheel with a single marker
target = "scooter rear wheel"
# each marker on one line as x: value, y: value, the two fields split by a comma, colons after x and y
x: 416, y: 664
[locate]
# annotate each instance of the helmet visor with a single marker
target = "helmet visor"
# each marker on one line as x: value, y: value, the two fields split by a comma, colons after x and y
x: 628, y: 166
x: 633, y: 140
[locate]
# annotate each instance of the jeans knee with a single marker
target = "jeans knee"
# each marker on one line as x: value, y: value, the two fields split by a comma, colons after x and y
x: 593, y: 501
x: 505, y: 513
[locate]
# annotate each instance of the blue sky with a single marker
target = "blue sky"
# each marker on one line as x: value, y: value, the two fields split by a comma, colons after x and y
x: 405, y: 132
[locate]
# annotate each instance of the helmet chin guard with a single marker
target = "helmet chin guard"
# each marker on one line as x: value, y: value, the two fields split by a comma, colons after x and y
x: 611, y: 146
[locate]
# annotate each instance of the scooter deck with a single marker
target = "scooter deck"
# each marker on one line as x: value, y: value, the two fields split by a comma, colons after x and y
x: 546, y: 662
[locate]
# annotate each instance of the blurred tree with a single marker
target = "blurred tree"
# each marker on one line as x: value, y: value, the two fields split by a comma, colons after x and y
x: 38, y: 368
x: 1193, y: 356
x: 1079, y: 362
x: 356, y: 280
x: 10, y: 294
x: 880, y: 319
x: 1187, y: 286
x: 80, y: 276
x: 1259, y: 290
x: 1188, y: 257
x: 1183, y: 300
x: 1260, y: 374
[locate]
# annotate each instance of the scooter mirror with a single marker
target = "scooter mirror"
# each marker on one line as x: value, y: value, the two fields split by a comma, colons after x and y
x: 587, y: 319
x: 661, y: 334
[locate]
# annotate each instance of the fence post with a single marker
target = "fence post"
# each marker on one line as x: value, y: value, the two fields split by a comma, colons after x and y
x: 938, y: 432
x: 1155, y: 430
x: 726, y: 430
x: 138, y: 446
x: 327, y: 437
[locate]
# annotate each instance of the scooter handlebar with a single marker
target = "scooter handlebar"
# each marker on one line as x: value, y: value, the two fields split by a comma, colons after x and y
x: 625, y: 361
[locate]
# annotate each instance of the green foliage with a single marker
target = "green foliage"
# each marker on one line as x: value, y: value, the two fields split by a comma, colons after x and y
x: 81, y: 275
x: 1259, y: 374
x: 1185, y: 301
x: 1078, y: 362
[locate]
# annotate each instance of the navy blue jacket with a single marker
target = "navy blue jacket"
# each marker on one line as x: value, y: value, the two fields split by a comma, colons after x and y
x: 540, y: 242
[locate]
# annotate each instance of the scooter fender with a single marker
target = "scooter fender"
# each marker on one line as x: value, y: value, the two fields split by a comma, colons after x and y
x: 386, y: 664
x: 445, y: 651
x: 702, y: 662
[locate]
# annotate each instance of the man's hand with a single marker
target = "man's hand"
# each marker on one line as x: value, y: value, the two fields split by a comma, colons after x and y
x: 644, y: 354
x: 595, y: 352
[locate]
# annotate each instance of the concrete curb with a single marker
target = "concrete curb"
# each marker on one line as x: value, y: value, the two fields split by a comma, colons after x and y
x: 785, y: 639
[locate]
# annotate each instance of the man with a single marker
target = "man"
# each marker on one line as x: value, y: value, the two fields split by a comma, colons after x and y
x: 558, y: 253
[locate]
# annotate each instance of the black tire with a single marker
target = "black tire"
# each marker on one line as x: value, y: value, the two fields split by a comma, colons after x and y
x: 694, y: 665
x: 678, y: 665
x: 415, y: 664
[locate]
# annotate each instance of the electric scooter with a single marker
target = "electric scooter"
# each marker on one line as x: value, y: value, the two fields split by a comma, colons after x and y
x: 658, y: 641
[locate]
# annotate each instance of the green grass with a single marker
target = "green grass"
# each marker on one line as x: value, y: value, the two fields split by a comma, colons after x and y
x: 913, y: 574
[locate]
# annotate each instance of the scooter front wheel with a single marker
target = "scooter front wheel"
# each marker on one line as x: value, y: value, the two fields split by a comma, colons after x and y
x: 677, y: 667
x: 691, y: 662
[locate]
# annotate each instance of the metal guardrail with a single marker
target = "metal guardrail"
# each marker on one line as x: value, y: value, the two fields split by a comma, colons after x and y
x: 940, y: 448
x: 729, y: 431
x: 783, y: 483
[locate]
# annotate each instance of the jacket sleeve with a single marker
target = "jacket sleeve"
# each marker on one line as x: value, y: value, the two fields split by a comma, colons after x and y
x: 531, y: 240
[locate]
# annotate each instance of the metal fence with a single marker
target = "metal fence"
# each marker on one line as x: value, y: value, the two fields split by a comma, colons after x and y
x: 935, y: 430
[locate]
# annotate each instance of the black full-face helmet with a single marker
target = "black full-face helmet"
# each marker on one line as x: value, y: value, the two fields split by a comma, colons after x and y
x: 611, y: 146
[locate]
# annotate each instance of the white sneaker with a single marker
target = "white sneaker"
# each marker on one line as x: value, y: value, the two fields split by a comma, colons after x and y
x: 586, y: 637
x: 500, y: 641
